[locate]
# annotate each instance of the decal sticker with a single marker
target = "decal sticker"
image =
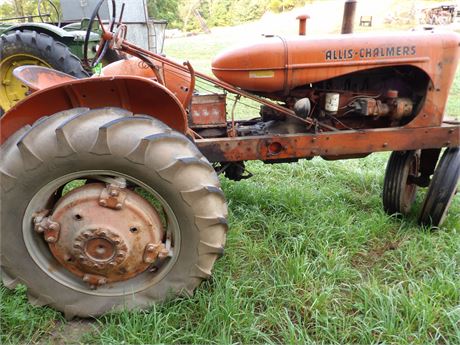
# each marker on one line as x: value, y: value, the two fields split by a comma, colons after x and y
x: 368, y: 53
x: 261, y: 74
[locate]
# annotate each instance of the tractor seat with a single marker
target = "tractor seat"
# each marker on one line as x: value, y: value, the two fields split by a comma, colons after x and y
x: 37, y: 77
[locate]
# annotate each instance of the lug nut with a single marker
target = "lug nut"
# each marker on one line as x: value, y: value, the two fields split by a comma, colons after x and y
x: 102, y: 281
x: 119, y: 206
x: 86, y: 278
x: 114, y: 192
x: 53, y: 226
x: 50, y: 239
x: 148, y: 260
x: 39, y: 229
x: 102, y: 202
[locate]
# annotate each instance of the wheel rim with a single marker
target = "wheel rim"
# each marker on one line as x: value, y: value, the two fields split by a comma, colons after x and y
x: 11, y: 89
x: 410, y: 188
x: 40, y: 251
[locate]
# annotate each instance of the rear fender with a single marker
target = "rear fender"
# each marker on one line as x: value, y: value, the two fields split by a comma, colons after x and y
x: 136, y: 94
x: 43, y: 28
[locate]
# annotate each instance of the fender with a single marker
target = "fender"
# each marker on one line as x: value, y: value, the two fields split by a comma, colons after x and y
x: 136, y: 94
x: 57, y: 33
x: 44, y: 28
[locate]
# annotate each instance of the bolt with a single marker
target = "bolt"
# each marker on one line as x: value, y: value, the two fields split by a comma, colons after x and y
x: 114, y: 192
x: 150, y: 247
x: 385, y: 145
x: 86, y: 278
x: 102, y: 233
x: 39, y: 229
x: 163, y: 254
x: 81, y: 257
x: 53, y: 226
x: 119, y: 206
x: 148, y: 260
x: 87, y: 234
x: 50, y: 239
x: 102, y: 202
x: 112, y: 264
x: 102, y: 281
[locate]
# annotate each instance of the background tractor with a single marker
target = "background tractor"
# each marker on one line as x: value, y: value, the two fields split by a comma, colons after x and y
x: 58, y: 37
x: 110, y: 196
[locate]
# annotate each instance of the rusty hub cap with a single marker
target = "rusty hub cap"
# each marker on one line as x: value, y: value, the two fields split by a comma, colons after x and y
x: 102, y: 234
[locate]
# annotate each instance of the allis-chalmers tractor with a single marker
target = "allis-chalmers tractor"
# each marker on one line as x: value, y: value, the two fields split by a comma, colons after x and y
x: 110, y: 195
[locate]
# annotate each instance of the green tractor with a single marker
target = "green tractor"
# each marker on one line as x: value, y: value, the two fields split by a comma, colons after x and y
x: 51, y: 38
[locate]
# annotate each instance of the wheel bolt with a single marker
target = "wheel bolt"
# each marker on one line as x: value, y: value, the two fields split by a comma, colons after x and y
x: 113, y: 192
x: 119, y: 206
x: 102, y: 202
x: 102, y: 281
x: 39, y: 229
x: 50, y: 239
x: 86, y: 278
x: 53, y: 226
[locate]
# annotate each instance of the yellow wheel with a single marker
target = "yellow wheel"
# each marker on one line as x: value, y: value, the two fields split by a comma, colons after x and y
x: 11, y: 89
x: 31, y: 48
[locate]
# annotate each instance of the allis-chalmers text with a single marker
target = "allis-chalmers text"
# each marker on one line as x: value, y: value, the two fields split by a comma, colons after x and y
x: 366, y: 53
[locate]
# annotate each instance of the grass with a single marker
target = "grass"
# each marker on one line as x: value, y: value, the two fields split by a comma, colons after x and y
x: 310, y: 257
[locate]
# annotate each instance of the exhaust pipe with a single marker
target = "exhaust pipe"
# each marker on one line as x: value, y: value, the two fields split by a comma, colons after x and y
x: 349, y: 12
x: 303, y: 24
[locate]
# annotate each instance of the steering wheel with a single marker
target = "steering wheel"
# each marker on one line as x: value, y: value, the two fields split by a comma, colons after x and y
x: 53, y: 6
x: 105, y: 36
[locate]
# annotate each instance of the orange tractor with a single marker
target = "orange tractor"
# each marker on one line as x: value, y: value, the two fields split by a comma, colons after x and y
x: 110, y: 196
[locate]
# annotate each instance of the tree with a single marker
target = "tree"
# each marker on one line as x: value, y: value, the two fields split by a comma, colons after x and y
x: 165, y: 9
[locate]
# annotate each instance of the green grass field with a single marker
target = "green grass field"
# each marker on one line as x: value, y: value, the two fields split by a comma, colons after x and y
x: 310, y: 257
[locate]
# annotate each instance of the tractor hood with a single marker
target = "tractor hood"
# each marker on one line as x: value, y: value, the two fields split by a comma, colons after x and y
x: 276, y: 64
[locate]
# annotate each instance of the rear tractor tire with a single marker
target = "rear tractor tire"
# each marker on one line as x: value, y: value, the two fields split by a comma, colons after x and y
x: 104, y: 210
x: 31, y: 48
x: 399, y: 191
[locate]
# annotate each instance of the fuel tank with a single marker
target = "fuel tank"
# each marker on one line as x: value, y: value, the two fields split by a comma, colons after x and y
x: 276, y: 64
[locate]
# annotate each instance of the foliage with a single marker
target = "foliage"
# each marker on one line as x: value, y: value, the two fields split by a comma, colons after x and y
x: 15, y: 8
x: 183, y: 13
x: 165, y: 9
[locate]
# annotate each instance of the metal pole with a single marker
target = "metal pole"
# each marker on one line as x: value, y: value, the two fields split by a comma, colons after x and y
x: 349, y: 16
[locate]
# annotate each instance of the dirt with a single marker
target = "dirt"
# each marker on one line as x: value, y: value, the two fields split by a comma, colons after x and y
x: 70, y: 332
x: 365, y: 261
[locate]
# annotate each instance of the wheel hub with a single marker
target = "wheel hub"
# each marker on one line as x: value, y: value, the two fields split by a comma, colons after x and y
x: 103, y: 234
x: 99, y: 248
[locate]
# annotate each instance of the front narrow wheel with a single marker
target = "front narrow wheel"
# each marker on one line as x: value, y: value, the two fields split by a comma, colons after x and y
x: 442, y: 190
x: 399, y: 189
x: 104, y: 210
